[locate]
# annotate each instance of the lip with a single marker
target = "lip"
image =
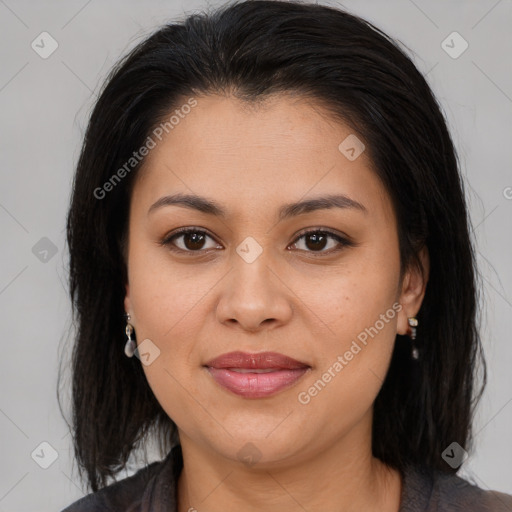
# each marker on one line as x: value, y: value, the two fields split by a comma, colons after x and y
x: 272, y: 373
x: 258, y: 361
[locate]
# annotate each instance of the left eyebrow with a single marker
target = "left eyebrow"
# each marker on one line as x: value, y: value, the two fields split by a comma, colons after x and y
x: 320, y: 203
x: 210, y: 207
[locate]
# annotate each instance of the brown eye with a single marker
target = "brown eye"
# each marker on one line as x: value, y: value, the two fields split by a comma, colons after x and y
x: 317, y: 240
x: 190, y: 240
x: 194, y: 240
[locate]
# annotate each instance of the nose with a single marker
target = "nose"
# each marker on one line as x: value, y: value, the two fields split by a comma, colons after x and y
x: 254, y: 296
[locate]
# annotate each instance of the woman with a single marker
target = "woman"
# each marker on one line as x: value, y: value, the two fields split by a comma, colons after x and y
x: 268, y: 205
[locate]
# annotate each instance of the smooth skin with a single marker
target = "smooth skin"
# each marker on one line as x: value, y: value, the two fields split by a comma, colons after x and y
x: 305, y: 297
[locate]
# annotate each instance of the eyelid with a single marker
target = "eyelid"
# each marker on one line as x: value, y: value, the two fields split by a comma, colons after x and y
x: 341, y: 238
x: 320, y: 229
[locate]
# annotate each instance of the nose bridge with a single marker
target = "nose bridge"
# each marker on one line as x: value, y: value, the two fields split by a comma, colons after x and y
x: 251, y: 271
x: 252, y: 294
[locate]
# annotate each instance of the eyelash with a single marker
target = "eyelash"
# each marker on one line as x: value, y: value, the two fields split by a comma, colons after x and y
x: 168, y: 240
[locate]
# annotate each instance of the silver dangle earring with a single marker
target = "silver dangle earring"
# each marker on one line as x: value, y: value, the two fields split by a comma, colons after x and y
x: 130, y: 347
x: 413, y: 324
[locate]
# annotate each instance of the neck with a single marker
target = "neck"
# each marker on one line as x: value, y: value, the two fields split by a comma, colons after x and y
x: 343, y: 477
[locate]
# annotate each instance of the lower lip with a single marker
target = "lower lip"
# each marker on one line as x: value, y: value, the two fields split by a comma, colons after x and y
x: 256, y: 385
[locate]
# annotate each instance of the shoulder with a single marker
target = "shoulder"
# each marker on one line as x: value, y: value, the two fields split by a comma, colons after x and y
x: 123, y: 495
x: 437, y: 491
x: 456, y: 493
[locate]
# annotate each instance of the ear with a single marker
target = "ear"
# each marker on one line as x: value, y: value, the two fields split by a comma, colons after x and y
x: 413, y: 289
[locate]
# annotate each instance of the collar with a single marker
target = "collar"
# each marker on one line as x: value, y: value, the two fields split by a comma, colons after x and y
x: 417, y: 489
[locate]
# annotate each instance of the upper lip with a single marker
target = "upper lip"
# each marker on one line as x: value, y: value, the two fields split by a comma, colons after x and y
x: 261, y: 360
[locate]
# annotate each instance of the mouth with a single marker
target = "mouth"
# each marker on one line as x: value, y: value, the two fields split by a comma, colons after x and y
x: 256, y: 375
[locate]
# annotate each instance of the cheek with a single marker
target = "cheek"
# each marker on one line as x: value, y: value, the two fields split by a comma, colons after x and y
x: 171, y: 305
x: 354, y: 355
x: 163, y: 294
x: 359, y: 309
x: 352, y: 359
x: 352, y: 298
x: 168, y: 310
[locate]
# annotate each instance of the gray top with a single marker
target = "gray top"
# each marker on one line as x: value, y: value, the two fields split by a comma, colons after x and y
x: 153, y: 489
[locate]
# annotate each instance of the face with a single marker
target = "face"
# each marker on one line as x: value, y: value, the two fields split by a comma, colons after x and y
x: 319, y: 285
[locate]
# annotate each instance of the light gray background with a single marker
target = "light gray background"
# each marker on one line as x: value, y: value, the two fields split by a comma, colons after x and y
x: 45, y: 104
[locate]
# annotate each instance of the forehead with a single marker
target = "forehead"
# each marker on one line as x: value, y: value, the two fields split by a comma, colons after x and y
x: 257, y: 153
x: 225, y: 127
